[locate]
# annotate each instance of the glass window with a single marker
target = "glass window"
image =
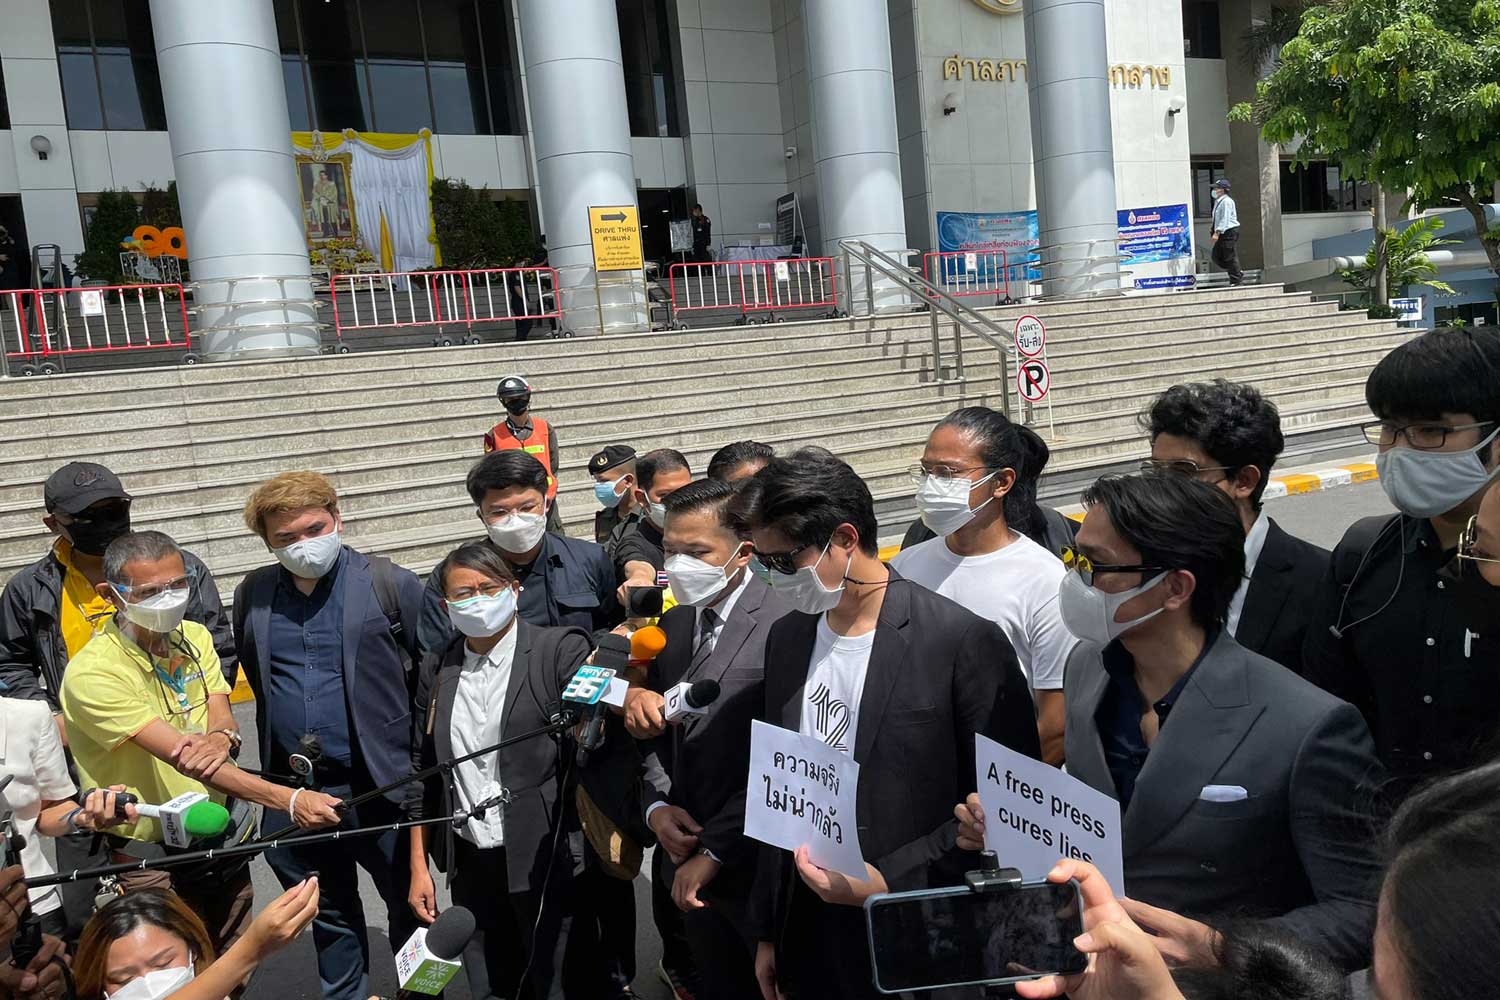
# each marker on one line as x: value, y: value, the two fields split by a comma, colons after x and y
x: 1200, y: 29
x: 293, y: 67
x: 1321, y: 187
x: 1205, y: 172
x: 650, y: 76
x: 455, y: 67
x: 106, y: 59
x: 330, y: 40
x: 80, y: 85
x: 398, y: 78
x: 502, y: 76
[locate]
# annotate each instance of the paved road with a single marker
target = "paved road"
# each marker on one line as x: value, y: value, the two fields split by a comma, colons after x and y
x: 1319, y: 517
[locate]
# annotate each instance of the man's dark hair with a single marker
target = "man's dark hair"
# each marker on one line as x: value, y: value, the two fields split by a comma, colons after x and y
x: 1260, y: 962
x: 814, y: 453
x: 703, y: 495
x: 807, y: 501
x: 500, y: 470
x: 653, y: 463
x: 697, y: 207
x: 1177, y: 522
x: 482, y: 557
x: 1003, y: 444
x: 732, y: 456
x: 1442, y: 371
x: 1233, y: 422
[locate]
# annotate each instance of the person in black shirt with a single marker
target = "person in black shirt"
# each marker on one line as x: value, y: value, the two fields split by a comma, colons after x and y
x: 613, y: 470
x: 703, y: 235
x: 638, y: 556
x: 1393, y: 633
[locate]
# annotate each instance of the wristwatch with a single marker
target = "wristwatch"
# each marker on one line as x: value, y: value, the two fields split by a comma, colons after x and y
x: 235, y: 740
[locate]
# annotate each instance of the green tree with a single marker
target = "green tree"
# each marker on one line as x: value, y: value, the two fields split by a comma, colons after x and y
x: 473, y: 230
x: 1405, y: 93
x: 1406, y: 260
x: 115, y: 218
x: 159, y: 208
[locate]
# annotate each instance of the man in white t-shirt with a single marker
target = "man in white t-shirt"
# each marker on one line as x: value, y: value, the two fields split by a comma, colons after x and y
x: 974, y: 472
x: 896, y: 676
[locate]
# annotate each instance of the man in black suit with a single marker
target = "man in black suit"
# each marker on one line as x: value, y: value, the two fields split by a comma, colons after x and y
x: 1228, y: 434
x: 1246, y: 791
x: 889, y: 672
x: 695, y: 795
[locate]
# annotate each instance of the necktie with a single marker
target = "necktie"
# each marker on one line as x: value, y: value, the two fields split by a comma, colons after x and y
x: 704, y: 646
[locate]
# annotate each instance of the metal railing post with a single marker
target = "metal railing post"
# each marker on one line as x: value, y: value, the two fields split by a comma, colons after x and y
x: 937, y: 350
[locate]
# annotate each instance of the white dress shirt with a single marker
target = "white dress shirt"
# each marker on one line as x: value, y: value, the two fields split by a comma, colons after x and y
x: 721, y: 610
x: 31, y: 752
x: 478, y: 710
x: 1255, y: 540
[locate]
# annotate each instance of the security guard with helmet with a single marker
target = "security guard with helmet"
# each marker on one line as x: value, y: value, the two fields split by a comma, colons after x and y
x: 533, y: 435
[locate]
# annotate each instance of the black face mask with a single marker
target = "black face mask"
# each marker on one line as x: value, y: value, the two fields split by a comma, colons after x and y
x: 517, y: 405
x: 93, y: 536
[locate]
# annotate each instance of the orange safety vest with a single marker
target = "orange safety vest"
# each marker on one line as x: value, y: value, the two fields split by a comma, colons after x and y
x: 500, y: 438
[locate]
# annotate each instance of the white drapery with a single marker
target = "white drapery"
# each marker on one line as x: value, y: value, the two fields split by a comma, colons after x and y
x: 391, y: 185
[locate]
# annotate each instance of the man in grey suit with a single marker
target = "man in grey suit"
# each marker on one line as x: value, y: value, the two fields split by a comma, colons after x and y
x: 1246, y: 791
x: 696, y: 771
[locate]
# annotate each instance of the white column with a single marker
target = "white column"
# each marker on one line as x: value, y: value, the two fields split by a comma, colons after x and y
x: 1072, y: 142
x: 221, y: 80
x: 854, y: 119
x: 575, y: 79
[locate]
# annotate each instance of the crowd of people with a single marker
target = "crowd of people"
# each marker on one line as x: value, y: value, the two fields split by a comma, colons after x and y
x: 1300, y: 742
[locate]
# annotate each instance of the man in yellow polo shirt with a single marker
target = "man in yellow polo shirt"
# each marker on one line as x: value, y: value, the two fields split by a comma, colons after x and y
x: 146, y: 706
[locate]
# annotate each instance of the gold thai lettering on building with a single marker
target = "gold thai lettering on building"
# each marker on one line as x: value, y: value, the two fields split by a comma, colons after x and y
x: 1012, y: 70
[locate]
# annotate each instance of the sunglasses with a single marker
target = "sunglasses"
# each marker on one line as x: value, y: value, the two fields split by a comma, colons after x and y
x: 1086, y: 567
x: 784, y: 563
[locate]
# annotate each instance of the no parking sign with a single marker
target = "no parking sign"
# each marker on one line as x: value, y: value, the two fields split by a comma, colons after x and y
x: 1033, y: 379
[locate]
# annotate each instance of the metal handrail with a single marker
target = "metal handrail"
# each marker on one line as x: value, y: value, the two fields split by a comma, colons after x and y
x: 965, y: 317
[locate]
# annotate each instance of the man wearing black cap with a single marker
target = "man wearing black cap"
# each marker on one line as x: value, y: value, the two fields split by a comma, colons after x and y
x: 50, y: 609
x: 1226, y: 232
x: 523, y: 432
x: 613, y: 470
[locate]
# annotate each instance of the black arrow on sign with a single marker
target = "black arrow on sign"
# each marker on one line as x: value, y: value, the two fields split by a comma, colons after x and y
x: 617, y: 217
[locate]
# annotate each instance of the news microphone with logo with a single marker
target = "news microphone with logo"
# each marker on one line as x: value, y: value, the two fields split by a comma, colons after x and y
x: 190, y: 816
x: 683, y: 700
x: 588, y: 687
x: 430, y: 957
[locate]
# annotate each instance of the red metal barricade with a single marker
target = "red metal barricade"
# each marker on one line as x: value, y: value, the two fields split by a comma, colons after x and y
x: 970, y: 272
x: 46, y: 325
x: 759, y: 287
x: 407, y: 299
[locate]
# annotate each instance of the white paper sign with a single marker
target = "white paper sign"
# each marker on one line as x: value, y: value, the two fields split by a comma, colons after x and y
x: 1035, y: 814
x: 91, y: 302
x: 802, y: 791
x: 971, y: 262
x: 783, y: 273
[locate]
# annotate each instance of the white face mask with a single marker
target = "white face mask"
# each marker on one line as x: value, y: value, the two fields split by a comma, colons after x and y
x: 944, y: 503
x: 656, y: 513
x: 1089, y: 613
x: 696, y: 582
x: 311, y: 558
x: 480, y: 617
x: 804, y: 591
x: 517, y: 533
x: 1429, y: 483
x: 160, y: 613
x: 155, y: 985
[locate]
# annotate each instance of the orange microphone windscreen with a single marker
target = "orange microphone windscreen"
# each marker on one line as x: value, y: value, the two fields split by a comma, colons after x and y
x: 646, y: 642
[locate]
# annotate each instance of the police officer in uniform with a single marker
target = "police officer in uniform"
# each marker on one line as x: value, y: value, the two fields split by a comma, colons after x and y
x: 524, y: 432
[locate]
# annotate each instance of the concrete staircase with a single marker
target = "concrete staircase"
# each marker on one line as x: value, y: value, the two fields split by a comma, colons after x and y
x: 398, y: 430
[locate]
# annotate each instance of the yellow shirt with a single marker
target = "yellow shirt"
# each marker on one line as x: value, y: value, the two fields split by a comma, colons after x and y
x: 82, y: 607
x: 111, y: 692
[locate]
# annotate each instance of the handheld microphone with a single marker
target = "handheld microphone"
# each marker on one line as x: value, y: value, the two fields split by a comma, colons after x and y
x: 589, y: 686
x: 430, y: 957
x: 188, y: 817
x: 690, y: 699
x: 646, y: 644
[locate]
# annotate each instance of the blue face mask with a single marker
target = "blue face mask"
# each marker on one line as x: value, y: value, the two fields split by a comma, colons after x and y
x: 606, y: 495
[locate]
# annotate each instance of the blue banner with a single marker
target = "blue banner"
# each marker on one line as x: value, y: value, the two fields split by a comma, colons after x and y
x: 1014, y: 232
x: 1168, y: 281
x: 1152, y: 235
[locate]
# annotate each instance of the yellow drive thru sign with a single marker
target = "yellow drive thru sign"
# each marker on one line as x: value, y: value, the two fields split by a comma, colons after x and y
x: 616, y: 231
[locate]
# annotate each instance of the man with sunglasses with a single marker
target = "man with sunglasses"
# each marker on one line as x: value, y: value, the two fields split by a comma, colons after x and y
x: 1391, y: 633
x: 1228, y: 434
x: 1243, y: 788
x: 52, y: 608
x: 889, y: 672
x: 146, y: 705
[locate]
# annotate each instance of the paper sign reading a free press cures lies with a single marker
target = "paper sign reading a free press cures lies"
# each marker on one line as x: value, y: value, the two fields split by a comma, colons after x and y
x: 1035, y: 814
x: 802, y: 791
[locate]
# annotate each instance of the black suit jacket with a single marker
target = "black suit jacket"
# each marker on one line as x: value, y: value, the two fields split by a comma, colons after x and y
x: 938, y: 674
x: 379, y: 666
x: 1298, y: 847
x: 704, y: 763
x: 545, y: 660
x: 1283, y: 594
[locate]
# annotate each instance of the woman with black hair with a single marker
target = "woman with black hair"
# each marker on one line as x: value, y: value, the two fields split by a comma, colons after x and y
x: 977, y: 493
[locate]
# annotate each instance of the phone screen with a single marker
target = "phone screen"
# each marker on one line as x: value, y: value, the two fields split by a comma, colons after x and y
x: 955, y: 937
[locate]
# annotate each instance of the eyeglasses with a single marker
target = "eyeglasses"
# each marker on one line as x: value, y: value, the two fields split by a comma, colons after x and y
x: 146, y: 591
x: 469, y: 593
x: 1468, y: 544
x: 1086, y: 567
x: 920, y: 472
x: 1182, y: 467
x: 1423, y: 437
x: 781, y: 562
